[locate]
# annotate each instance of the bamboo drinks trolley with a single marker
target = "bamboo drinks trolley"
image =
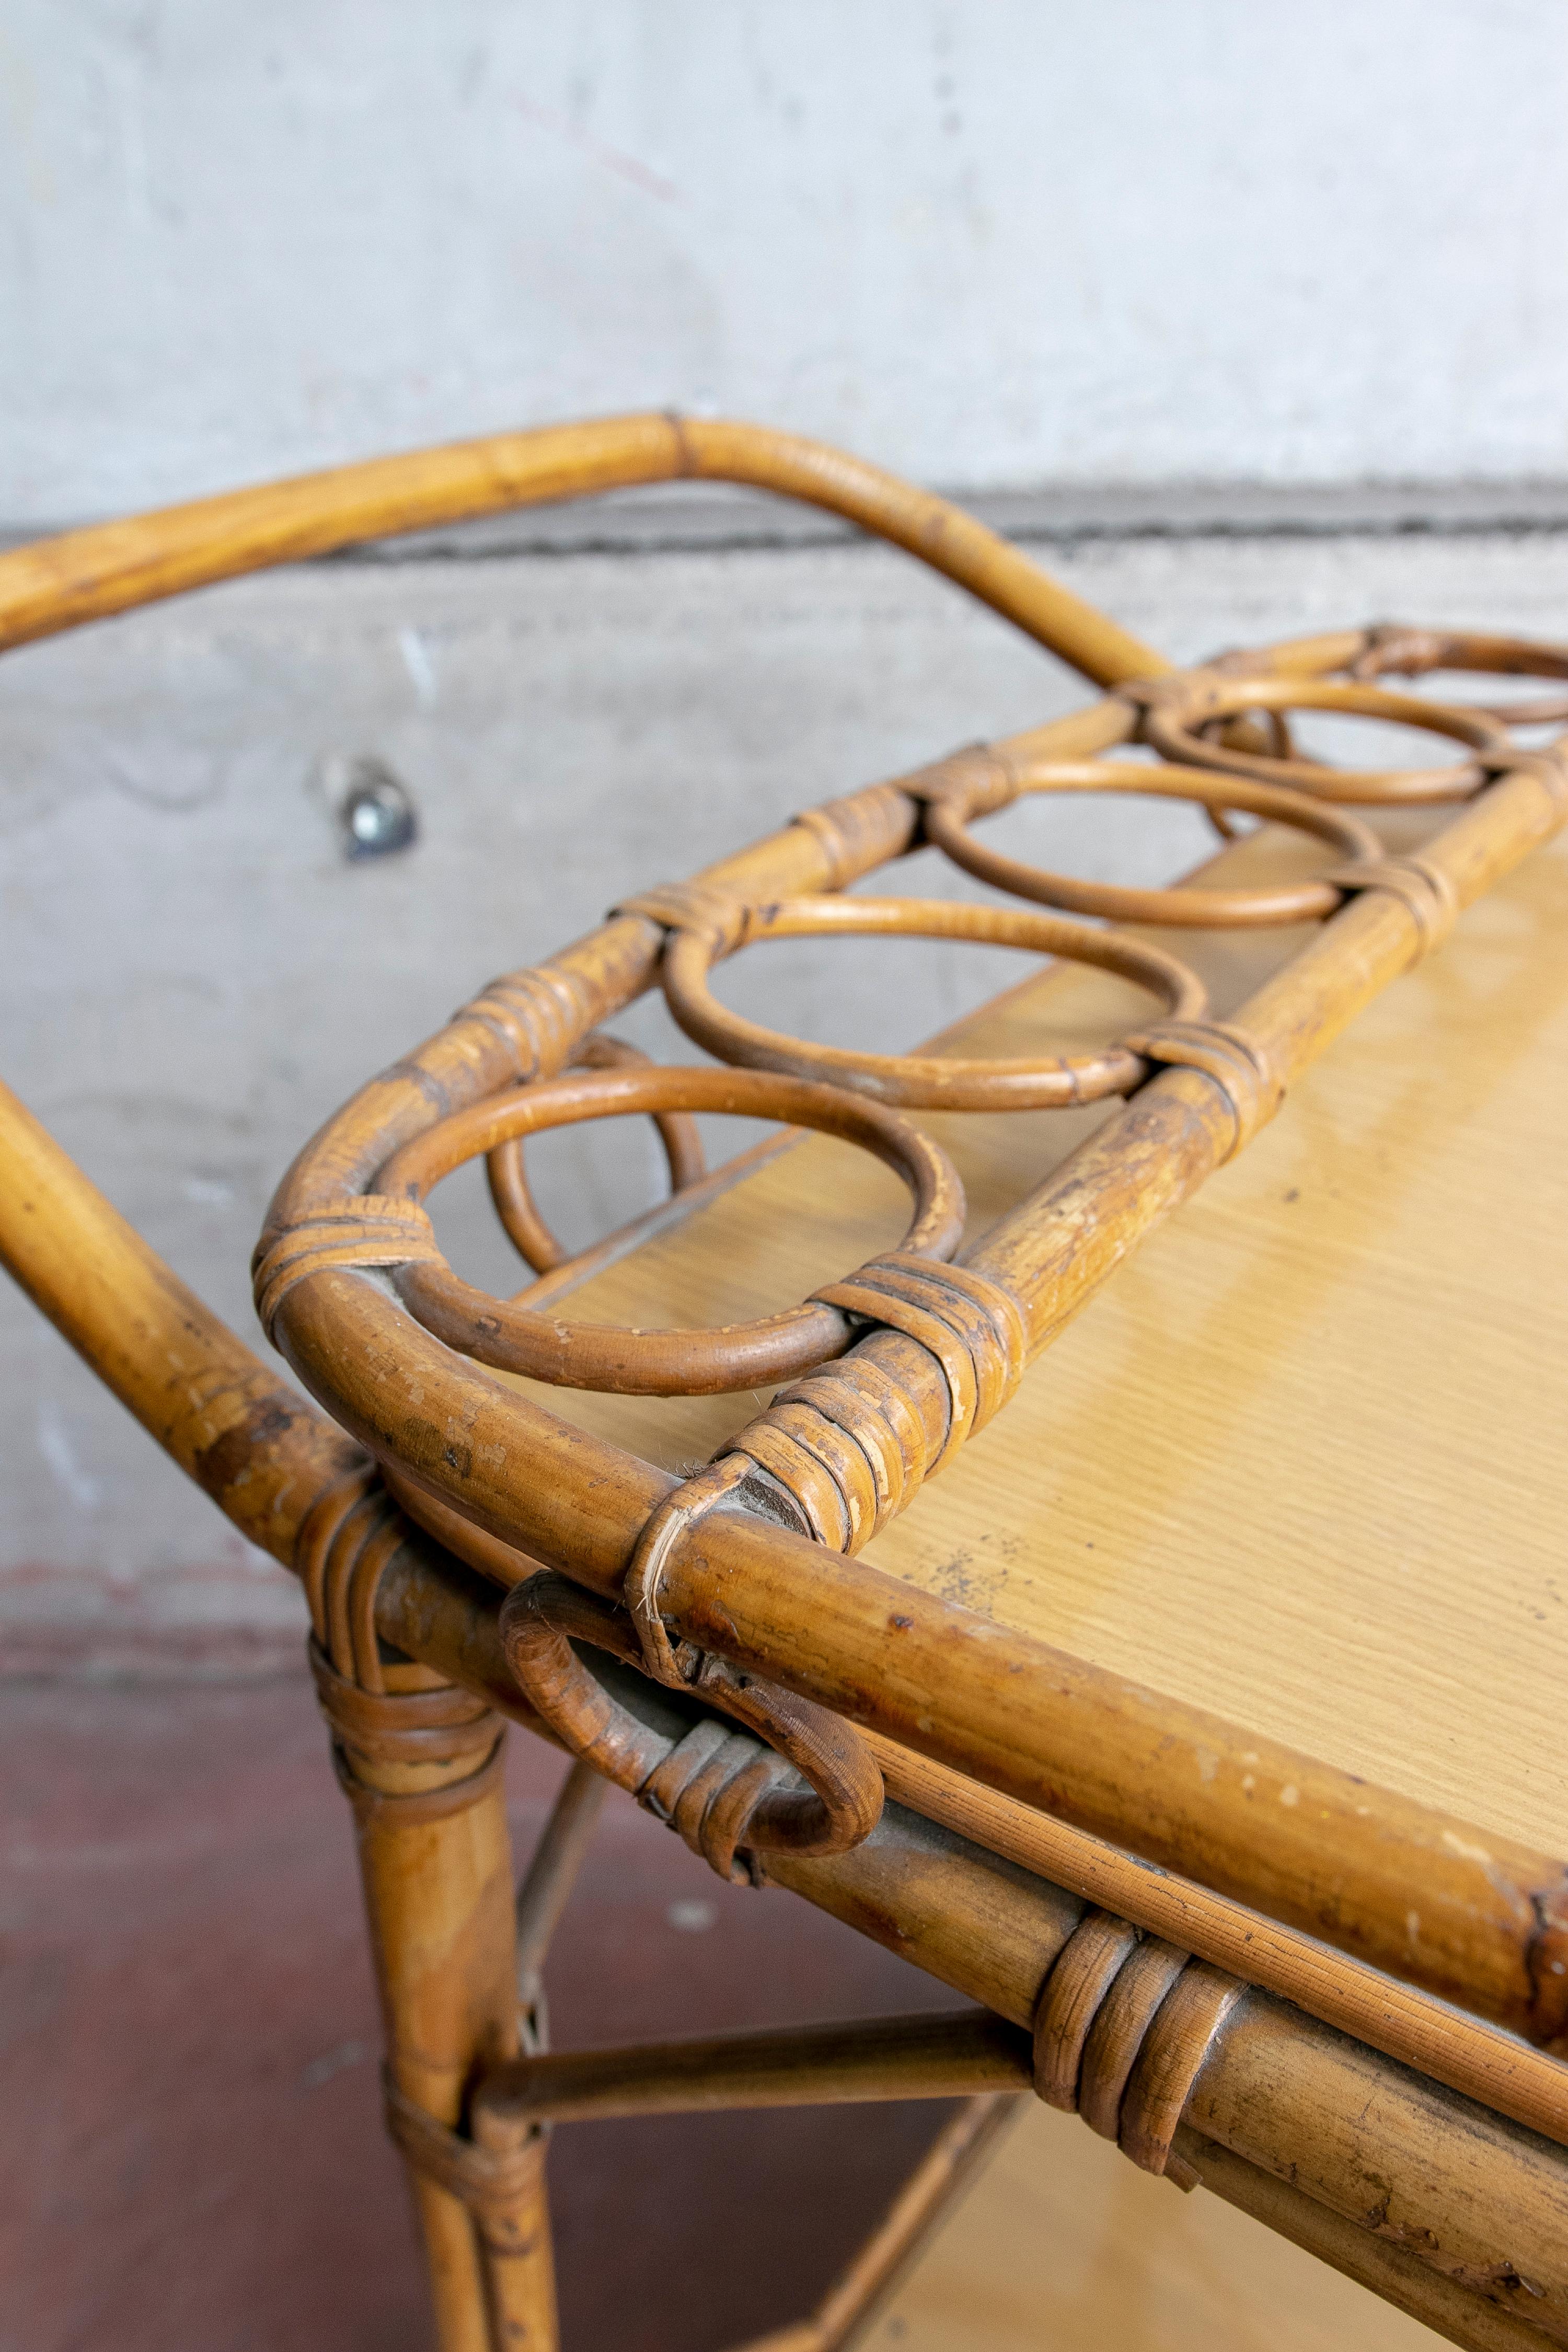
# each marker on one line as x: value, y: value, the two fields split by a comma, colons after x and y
x: 1307, y: 1986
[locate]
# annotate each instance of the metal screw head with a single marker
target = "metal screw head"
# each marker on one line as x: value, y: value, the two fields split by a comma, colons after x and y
x: 376, y: 815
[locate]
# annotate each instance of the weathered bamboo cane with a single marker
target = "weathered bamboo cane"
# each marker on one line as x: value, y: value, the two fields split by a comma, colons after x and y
x: 85, y: 576
x: 1480, y: 2201
x: 437, y: 1888
x: 749, y: 1562
x: 245, y: 1435
x: 1495, y: 1932
x: 438, y: 1612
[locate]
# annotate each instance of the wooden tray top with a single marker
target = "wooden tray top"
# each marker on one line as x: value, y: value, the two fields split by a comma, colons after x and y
x: 1301, y: 1460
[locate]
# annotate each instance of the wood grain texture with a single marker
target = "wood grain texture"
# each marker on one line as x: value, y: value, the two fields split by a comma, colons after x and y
x: 1310, y: 1432
x: 1303, y: 1461
x: 1058, y: 2245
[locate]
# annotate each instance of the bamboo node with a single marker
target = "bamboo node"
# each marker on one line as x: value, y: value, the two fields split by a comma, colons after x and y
x: 1240, y: 1067
x: 370, y: 1229
x: 539, y: 1012
x: 1123, y: 2027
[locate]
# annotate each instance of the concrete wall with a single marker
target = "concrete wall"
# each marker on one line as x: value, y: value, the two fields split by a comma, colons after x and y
x: 1009, y: 246
x: 1001, y: 244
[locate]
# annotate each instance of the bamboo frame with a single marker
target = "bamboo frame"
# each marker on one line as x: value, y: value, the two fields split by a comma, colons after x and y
x: 1239, y: 2072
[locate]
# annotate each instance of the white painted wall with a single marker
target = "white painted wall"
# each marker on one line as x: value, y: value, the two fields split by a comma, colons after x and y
x: 1004, y: 243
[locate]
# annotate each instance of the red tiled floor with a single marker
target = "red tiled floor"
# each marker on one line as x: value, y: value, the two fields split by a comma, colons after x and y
x: 191, y: 2157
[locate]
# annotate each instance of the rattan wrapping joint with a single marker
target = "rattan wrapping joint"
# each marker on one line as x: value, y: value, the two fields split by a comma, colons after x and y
x: 1123, y: 2027
x: 371, y: 1229
x: 1173, y: 691
x: 493, y: 2182
x: 1239, y: 1065
x: 540, y: 1014
x: 444, y: 1726
x: 1397, y: 647
x: 852, y: 1440
x: 976, y: 780
x: 713, y: 915
x: 1424, y: 891
x: 972, y: 1327
x: 708, y: 1789
x: 859, y: 832
x: 795, y: 1777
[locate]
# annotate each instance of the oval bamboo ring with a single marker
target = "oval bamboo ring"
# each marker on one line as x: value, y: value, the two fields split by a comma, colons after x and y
x: 948, y: 819
x: 628, y: 1363
x: 924, y: 1081
x: 1409, y: 649
x: 510, y: 1189
x: 1176, y: 711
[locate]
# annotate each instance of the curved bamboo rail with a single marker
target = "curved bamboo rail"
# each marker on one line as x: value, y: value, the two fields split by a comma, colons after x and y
x: 86, y: 575
x: 1035, y: 1753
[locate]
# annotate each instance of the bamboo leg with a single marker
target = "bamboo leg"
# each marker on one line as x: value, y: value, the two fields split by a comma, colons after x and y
x: 519, y: 2261
x: 437, y: 1888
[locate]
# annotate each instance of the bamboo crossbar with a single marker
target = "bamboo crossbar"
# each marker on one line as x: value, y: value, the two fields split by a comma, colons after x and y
x: 1047, y: 1821
x: 920, y: 2057
x: 1276, y: 2089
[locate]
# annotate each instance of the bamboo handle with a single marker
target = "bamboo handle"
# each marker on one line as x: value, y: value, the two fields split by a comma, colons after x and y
x: 85, y: 576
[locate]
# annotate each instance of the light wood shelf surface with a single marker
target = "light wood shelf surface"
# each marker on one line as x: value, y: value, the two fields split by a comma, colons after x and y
x: 1061, y: 2246
x: 1303, y: 1460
